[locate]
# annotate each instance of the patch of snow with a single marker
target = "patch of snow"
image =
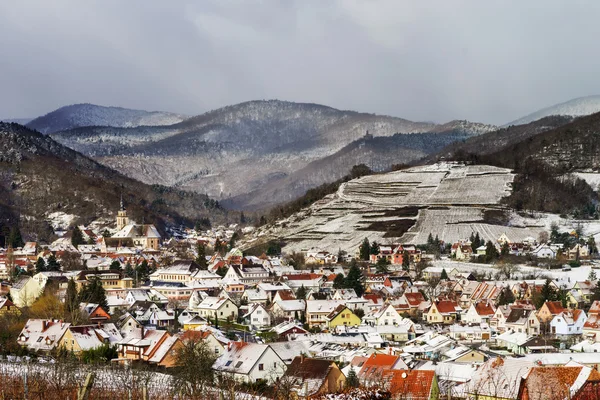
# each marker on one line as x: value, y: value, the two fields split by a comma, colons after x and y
x: 60, y: 221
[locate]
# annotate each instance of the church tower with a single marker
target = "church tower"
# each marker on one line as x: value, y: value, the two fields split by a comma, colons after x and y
x: 122, y: 219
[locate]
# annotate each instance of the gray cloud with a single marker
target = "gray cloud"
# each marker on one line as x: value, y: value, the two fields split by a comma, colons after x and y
x: 422, y: 60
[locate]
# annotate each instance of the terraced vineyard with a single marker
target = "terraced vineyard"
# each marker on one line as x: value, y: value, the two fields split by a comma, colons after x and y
x: 445, y: 199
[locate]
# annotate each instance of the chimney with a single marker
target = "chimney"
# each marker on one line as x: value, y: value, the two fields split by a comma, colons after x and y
x: 44, y: 325
x: 229, y: 346
x: 301, y: 358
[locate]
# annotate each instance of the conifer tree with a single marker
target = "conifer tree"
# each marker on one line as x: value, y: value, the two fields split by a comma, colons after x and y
x: 77, y: 237
x: 40, y: 265
x: 201, y: 258
x: 365, y: 250
x: 354, y: 280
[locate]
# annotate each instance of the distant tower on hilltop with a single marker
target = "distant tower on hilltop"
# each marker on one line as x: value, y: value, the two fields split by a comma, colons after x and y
x: 122, y: 219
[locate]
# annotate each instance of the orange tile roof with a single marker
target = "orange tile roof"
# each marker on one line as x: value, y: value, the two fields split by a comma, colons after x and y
x: 414, y: 299
x: 415, y: 384
x: 484, y: 308
x: 446, y: 306
x: 555, y: 307
x: 550, y: 382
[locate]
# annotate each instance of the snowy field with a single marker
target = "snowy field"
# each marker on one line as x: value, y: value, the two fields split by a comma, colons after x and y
x: 592, y: 178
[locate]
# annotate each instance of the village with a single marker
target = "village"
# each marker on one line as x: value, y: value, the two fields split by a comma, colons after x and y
x: 501, y: 320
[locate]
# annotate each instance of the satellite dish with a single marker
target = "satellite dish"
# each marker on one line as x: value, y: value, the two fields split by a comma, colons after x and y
x: 404, y: 375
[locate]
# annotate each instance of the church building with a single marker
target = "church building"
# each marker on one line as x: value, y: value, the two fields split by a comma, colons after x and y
x: 144, y: 235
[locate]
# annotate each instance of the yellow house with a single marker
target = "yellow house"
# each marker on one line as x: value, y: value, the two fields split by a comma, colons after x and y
x: 342, y: 315
x: 443, y: 312
x: 86, y: 337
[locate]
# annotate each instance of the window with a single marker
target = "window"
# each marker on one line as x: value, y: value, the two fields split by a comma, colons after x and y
x: 239, y: 364
x: 40, y: 339
x: 261, y: 367
x: 228, y: 363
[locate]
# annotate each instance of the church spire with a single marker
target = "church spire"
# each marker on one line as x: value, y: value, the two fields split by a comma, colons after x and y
x: 122, y: 206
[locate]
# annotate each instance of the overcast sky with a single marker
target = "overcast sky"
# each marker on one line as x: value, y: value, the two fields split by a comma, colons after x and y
x: 488, y: 61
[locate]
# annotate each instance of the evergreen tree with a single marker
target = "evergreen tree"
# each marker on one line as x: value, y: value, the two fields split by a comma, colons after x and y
x: 365, y: 250
x: 374, y: 248
x: 233, y: 240
x: 301, y: 293
x: 338, y: 282
x: 506, y: 297
x: 352, y: 380
x: 14, y: 238
x: 382, y: 266
x: 430, y: 240
x: 77, y: 237
x: 242, y: 218
x: 201, y: 258
x: 354, y: 280
x: 94, y: 292
x: 129, y: 272
x: 592, y: 275
x: 596, y: 293
x: 491, y: 253
x: 71, y: 299
x: 115, y: 265
x: 143, y: 271
x: 504, y: 250
x: 40, y: 265
x: 405, y: 261
x: 52, y: 264
x: 444, y: 275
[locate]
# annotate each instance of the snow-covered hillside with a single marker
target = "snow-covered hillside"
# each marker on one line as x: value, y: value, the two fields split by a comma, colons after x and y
x: 447, y: 200
x: 575, y: 108
x: 79, y: 115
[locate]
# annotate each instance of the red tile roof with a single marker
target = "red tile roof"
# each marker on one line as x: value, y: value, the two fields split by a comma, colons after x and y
x: 484, y: 308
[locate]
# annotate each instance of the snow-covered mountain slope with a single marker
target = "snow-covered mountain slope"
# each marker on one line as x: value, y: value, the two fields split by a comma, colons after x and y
x: 43, y: 180
x: 21, y: 121
x: 447, y: 200
x: 242, y: 149
x: 80, y: 115
x: 575, y: 108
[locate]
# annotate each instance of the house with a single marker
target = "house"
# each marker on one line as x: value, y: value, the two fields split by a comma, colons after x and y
x: 549, y: 310
x: 482, y: 311
x: 341, y: 316
x: 250, y: 362
x: 443, y: 312
x: 310, y: 281
x: 289, y: 330
x: 180, y: 271
x: 7, y: 307
x: 314, y: 256
x: 497, y: 379
x: 344, y: 294
x: 156, y: 347
x: 25, y: 291
x: 591, y: 328
x: 571, y: 381
x: 247, y: 274
x: 523, y: 321
x: 257, y: 316
x: 568, y: 322
x: 585, y: 291
x: 215, y: 341
x: 544, y: 251
x: 413, y: 300
x: 255, y: 295
x: 217, y: 307
x: 461, y: 252
x: 42, y: 335
x: 312, y: 377
x: 93, y: 312
x: 374, y: 368
x: 288, y: 309
x: 416, y: 384
x: 385, y: 315
x: 127, y: 325
x: 318, y: 310
x: 87, y: 337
